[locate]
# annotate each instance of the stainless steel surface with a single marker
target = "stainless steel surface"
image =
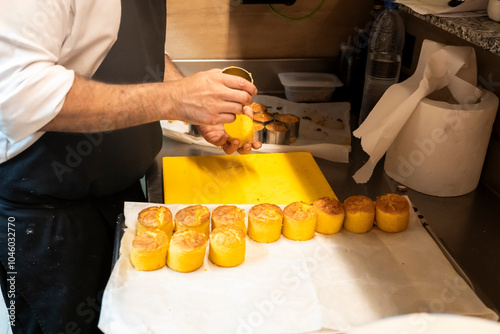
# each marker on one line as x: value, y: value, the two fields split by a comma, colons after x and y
x: 468, y: 227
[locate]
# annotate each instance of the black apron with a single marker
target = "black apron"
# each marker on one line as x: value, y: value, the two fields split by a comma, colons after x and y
x: 59, y: 199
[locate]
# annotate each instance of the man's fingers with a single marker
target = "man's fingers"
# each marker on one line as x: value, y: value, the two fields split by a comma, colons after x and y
x: 245, y: 149
x: 239, y: 83
x: 230, y: 148
x: 256, y: 144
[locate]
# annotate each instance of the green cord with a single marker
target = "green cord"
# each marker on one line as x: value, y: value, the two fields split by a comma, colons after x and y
x: 297, y: 18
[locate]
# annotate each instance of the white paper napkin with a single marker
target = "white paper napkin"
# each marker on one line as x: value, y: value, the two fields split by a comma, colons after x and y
x: 439, y: 66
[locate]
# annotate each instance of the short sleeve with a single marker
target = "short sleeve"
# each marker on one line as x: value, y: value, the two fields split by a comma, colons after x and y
x: 33, y: 86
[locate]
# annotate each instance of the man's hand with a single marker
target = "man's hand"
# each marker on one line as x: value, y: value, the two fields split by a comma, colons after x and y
x: 215, y: 135
x: 209, y: 97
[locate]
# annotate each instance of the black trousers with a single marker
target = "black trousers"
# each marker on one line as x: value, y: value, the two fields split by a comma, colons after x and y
x: 56, y: 274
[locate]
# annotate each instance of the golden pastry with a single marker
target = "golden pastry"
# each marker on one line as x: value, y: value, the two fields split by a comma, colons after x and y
x: 277, y: 127
x: 149, y: 250
x: 187, y: 250
x: 359, y: 214
x: 287, y: 118
x: 330, y: 215
x: 392, y: 213
x: 155, y: 217
x: 299, y: 221
x: 258, y: 126
x: 263, y: 117
x: 258, y: 107
x: 227, y: 246
x: 265, y: 222
x: 228, y: 214
x: 241, y: 129
x: 193, y: 217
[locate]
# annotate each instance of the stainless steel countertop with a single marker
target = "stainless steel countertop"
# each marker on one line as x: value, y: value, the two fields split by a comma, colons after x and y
x: 468, y: 226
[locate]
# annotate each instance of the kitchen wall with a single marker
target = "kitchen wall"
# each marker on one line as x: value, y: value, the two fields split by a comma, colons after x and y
x: 225, y: 29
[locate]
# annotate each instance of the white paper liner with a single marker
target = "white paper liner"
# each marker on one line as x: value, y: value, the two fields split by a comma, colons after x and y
x: 324, y: 129
x: 330, y: 282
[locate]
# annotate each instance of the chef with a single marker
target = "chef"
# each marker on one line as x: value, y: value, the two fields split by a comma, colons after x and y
x: 80, y: 100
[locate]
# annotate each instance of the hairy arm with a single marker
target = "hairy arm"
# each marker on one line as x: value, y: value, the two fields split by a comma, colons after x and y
x: 204, y: 98
x: 91, y: 106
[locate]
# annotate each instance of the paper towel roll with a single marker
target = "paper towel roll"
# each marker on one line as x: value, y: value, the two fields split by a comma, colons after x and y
x: 441, y: 149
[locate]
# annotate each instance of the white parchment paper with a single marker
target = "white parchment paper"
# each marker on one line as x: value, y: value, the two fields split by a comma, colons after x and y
x: 330, y: 282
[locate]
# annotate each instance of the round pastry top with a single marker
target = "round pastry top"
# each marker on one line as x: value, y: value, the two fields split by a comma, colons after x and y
x: 359, y: 203
x: 149, y: 241
x: 299, y: 211
x: 155, y: 216
x: 227, y: 236
x: 392, y: 203
x: 330, y: 206
x: 262, y: 117
x: 228, y: 213
x: 277, y: 127
x: 258, y: 126
x: 188, y: 239
x: 258, y: 107
x: 192, y: 215
x: 287, y: 118
x: 265, y: 211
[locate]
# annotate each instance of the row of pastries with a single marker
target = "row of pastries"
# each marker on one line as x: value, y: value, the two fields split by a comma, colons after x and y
x: 180, y: 242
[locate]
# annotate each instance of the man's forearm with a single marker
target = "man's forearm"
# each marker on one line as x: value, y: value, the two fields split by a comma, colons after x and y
x: 204, y: 98
x: 92, y: 106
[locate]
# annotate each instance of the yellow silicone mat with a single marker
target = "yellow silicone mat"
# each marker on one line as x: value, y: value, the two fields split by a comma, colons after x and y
x: 279, y: 178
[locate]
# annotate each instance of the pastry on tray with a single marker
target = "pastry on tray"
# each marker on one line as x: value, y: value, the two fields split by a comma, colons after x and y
x: 299, y: 221
x: 227, y: 246
x: 149, y: 250
x: 265, y: 222
x: 155, y: 217
x: 187, y: 249
x: 228, y: 215
x: 193, y: 217
x: 392, y: 213
x: 359, y: 214
x: 330, y: 215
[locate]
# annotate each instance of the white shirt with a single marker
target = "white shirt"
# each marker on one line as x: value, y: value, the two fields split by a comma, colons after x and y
x: 43, y: 43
